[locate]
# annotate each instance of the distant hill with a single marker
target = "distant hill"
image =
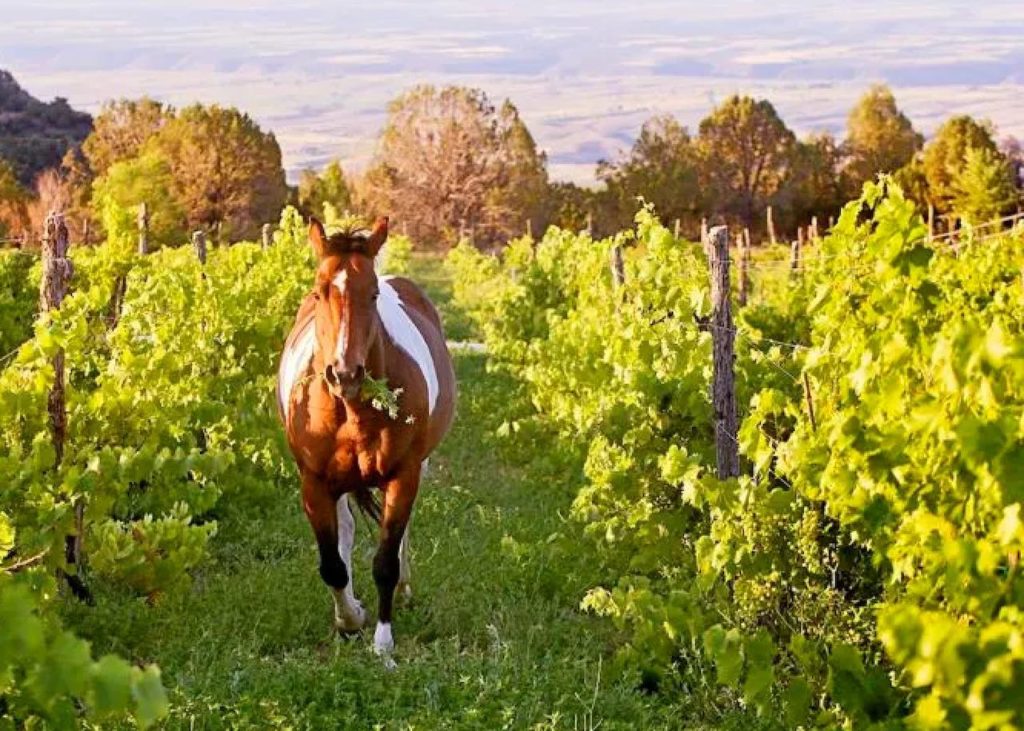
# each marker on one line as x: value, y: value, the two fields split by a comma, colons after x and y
x: 34, y: 135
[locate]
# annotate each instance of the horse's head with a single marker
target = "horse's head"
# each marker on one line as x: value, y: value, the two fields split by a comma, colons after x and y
x: 346, y: 291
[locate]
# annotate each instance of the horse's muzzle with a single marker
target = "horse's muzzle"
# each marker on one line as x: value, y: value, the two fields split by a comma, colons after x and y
x: 344, y: 383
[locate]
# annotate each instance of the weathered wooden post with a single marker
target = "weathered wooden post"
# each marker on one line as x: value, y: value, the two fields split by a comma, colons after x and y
x: 216, y: 233
x: 831, y: 223
x: 143, y: 221
x: 723, y: 394
x: 814, y: 229
x: 57, y: 271
x: 199, y: 244
x: 744, y: 248
x: 675, y: 229
x: 529, y: 228
x: 618, y: 267
x: 85, y: 231
x: 794, y: 252
x: 590, y: 223
x: 771, y: 226
x: 268, y: 235
x: 704, y: 241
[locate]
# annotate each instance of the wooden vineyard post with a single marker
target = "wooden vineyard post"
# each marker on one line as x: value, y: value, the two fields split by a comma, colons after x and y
x: 268, y: 236
x: 723, y: 394
x: 794, y: 252
x: 85, y: 231
x: 57, y: 272
x: 199, y: 244
x: 810, y: 402
x: 704, y: 237
x: 675, y: 230
x: 744, y: 248
x: 618, y: 267
x: 143, y: 221
x: 590, y: 223
x: 814, y: 229
x: 771, y: 226
x: 529, y: 228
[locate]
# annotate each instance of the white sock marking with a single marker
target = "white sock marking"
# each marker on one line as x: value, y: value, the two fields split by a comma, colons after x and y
x: 348, y: 612
x: 383, y: 643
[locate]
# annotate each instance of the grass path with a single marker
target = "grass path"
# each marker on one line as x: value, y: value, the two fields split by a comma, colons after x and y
x: 492, y: 640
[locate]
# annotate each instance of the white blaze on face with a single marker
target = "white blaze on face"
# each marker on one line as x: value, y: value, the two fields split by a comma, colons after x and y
x: 341, y: 282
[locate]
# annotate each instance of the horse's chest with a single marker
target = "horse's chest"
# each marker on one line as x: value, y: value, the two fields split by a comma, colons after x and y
x: 362, y: 456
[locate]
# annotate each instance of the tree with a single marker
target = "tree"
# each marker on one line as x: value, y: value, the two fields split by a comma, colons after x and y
x: 662, y: 167
x: 121, y: 130
x: 226, y: 170
x: 879, y: 137
x: 746, y: 154
x: 128, y: 183
x: 946, y: 154
x: 328, y: 187
x: 984, y: 187
x: 818, y: 186
x: 14, y: 214
x: 447, y: 160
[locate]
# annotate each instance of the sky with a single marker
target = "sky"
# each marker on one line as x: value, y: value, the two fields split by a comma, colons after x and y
x: 585, y: 74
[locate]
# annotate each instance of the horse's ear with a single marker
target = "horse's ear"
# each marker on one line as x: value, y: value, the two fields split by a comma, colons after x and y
x: 377, y: 237
x: 317, y: 238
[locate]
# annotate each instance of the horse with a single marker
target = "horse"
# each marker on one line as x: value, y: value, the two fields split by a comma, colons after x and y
x: 352, y: 330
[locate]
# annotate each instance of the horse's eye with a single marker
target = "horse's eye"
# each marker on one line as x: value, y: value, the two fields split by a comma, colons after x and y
x: 316, y: 295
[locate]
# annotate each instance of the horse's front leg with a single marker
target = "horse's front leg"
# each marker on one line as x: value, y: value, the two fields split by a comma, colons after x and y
x: 399, y: 496
x: 323, y: 512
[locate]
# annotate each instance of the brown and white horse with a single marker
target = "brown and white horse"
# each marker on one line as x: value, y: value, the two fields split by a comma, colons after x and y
x: 355, y: 325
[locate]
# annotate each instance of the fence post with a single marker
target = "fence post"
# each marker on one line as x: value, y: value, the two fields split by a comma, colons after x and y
x: 53, y: 287
x: 723, y: 394
x: 794, y: 252
x: 618, y: 267
x: 771, y: 226
x: 143, y: 221
x: 85, y: 231
x: 744, y: 248
x: 529, y: 228
x: 675, y: 230
x: 590, y: 223
x: 813, y: 233
x: 268, y: 235
x: 199, y: 244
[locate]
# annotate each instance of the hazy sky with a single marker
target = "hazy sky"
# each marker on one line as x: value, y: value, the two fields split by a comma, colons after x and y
x: 585, y: 74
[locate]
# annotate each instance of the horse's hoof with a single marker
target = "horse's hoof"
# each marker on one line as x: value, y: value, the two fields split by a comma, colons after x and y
x: 353, y: 624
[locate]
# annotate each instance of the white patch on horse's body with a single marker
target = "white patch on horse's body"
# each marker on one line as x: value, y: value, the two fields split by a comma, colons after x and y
x: 348, y: 612
x: 407, y: 336
x: 294, y: 363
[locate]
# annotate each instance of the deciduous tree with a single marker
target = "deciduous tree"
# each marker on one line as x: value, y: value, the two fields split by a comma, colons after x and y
x: 663, y: 168
x: 121, y: 130
x: 879, y: 138
x: 329, y: 186
x: 983, y: 189
x: 226, y: 170
x: 946, y: 154
x: 128, y: 183
x: 746, y: 155
x: 449, y: 160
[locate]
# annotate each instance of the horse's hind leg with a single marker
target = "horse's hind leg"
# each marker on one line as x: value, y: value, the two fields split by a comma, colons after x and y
x: 399, y: 495
x: 349, y: 614
x: 404, y: 589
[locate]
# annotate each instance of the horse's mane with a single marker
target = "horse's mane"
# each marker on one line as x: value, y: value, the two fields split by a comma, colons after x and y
x: 348, y: 240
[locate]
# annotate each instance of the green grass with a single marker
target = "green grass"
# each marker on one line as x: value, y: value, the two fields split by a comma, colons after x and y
x: 493, y: 638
